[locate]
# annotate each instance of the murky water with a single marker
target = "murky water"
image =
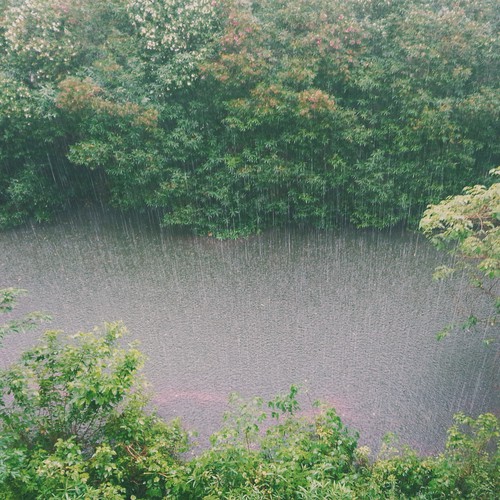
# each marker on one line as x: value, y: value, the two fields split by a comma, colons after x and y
x: 349, y: 315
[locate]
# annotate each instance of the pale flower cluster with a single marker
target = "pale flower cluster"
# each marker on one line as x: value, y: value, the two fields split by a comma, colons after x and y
x: 15, y: 99
x: 175, y: 33
x: 36, y: 33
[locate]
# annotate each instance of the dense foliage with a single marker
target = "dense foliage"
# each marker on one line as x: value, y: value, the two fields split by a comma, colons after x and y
x: 227, y: 116
x: 74, y: 425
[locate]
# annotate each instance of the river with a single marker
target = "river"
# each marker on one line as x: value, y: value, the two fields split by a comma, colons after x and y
x: 350, y: 316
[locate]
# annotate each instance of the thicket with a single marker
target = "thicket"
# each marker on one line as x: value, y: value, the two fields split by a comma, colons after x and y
x: 227, y: 116
x: 74, y: 425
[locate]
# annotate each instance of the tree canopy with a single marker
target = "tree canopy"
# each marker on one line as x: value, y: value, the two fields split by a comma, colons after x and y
x: 229, y: 116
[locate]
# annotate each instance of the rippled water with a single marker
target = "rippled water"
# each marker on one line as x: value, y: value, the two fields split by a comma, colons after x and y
x: 349, y: 315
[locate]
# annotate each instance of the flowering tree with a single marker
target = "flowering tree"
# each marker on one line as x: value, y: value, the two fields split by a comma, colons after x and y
x: 40, y: 37
x: 231, y: 115
x: 175, y: 35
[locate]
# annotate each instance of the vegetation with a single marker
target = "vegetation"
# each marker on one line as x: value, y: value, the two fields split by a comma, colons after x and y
x: 8, y: 298
x: 228, y: 116
x: 468, y: 226
x: 74, y: 424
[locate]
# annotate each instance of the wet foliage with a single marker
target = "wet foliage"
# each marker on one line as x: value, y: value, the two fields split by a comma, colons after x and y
x: 8, y: 299
x: 468, y: 226
x: 74, y: 424
x: 229, y: 116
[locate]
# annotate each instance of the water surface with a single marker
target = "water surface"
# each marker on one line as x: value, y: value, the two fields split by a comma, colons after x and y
x: 350, y: 315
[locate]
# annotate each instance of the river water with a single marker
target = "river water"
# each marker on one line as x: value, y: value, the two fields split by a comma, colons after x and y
x: 351, y: 316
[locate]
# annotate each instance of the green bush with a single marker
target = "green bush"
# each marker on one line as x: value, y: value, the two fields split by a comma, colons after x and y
x: 73, y: 423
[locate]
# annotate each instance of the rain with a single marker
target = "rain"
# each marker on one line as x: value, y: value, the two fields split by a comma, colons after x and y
x: 350, y: 316
x: 281, y: 203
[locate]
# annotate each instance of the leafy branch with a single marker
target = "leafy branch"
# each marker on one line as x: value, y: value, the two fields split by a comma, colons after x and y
x: 8, y: 299
x: 468, y: 227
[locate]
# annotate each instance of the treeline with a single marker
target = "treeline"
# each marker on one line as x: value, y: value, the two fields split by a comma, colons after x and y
x: 73, y: 425
x: 227, y: 116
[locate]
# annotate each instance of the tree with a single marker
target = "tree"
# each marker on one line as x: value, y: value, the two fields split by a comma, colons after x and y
x: 228, y: 116
x: 468, y: 226
x: 73, y: 424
